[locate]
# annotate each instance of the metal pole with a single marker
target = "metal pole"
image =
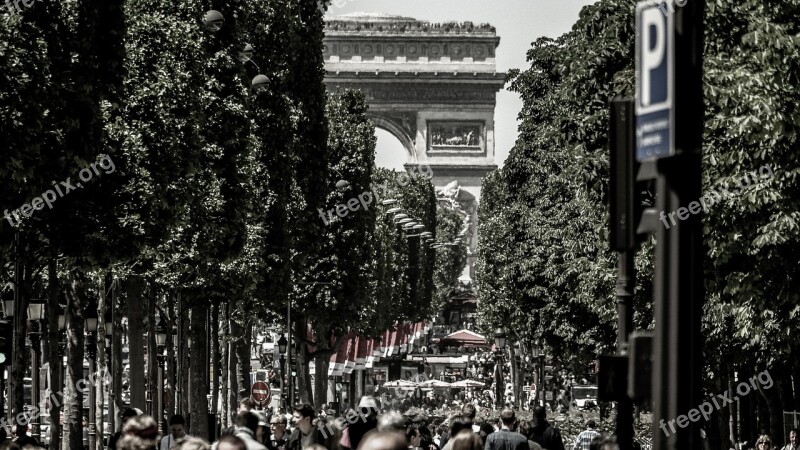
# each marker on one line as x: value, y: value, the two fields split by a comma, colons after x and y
x: 92, y: 351
x: 626, y: 282
x: 35, y: 347
x: 289, y: 383
x: 162, y: 424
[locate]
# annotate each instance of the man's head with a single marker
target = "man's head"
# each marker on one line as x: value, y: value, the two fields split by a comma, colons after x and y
x: 603, y: 443
x: 508, y: 418
x: 277, y: 424
x: 127, y: 414
x: 303, y: 415
x: 246, y: 404
x: 458, y: 423
x: 230, y: 442
x: 590, y: 424
x: 177, y: 426
x: 247, y: 419
x: 539, y: 413
x: 794, y: 436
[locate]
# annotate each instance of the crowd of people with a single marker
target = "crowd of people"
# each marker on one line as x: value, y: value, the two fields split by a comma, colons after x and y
x: 362, y: 428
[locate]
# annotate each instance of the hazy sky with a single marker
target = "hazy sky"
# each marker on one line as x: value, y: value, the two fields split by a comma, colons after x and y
x: 518, y: 23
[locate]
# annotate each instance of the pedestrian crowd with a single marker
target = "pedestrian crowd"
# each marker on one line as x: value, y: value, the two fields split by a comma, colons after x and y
x: 304, y: 429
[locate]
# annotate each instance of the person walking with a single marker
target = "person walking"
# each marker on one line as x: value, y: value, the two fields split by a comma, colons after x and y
x: 543, y: 433
x: 177, y: 431
x: 794, y: 440
x: 584, y: 439
x: 304, y: 435
x: 278, y: 437
x: 506, y: 438
x: 246, y: 423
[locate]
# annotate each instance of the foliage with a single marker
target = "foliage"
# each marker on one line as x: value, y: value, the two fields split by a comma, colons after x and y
x: 544, y: 261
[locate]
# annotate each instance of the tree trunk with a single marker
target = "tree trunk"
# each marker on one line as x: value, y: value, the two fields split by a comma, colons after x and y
x: 243, y: 356
x: 116, y: 356
x: 19, y: 363
x: 101, y: 370
x: 215, y: 358
x: 53, y: 356
x: 224, y: 359
x: 170, y: 367
x: 198, y: 370
x: 303, y: 388
x: 73, y: 396
x: 321, y: 380
x: 183, y: 356
x: 233, y: 385
x: 136, y: 372
x: 156, y: 411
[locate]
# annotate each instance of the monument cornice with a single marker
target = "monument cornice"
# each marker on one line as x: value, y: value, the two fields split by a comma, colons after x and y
x: 496, y: 79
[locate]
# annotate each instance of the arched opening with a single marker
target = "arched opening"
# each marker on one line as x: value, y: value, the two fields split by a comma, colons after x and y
x: 389, y: 151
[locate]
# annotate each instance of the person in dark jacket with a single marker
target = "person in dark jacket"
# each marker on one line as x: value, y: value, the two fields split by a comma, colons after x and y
x: 366, y: 422
x: 506, y: 438
x: 543, y: 433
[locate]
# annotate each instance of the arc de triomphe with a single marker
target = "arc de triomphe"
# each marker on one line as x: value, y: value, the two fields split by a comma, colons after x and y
x: 433, y: 86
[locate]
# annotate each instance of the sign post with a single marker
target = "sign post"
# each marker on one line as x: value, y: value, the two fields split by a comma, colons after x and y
x: 669, y: 127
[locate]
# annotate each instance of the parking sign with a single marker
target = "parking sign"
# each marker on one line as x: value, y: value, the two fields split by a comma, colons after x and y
x: 654, y: 81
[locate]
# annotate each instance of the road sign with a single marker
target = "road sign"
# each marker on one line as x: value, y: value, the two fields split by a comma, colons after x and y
x: 260, y: 391
x: 655, y: 50
x: 526, y: 388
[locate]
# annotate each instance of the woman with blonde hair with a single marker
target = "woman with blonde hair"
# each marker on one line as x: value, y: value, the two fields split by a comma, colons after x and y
x: 763, y: 443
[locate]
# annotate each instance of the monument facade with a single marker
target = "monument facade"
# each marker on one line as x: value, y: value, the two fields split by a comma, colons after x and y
x: 431, y: 85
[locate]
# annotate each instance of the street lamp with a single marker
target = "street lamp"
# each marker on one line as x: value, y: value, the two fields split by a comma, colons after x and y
x: 213, y: 20
x: 282, y: 345
x: 90, y: 322
x: 35, y: 315
x: 499, y: 343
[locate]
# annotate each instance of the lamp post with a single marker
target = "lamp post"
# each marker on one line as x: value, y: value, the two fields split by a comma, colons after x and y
x: 90, y: 322
x: 35, y: 315
x: 8, y: 315
x: 161, y: 342
x: 499, y: 343
x: 282, y: 345
x: 109, y: 323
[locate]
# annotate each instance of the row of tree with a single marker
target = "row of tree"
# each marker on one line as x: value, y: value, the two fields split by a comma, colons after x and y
x: 210, y: 214
x: 545, y: 267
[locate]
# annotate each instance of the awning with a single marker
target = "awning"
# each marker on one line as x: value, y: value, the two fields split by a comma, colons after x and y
x: 357, y: 352
x: 466, y: 338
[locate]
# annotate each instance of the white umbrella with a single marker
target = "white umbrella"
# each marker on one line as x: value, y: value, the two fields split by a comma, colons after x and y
x: 400, y: 384
x: 433, y: 383
x: 467, y: 384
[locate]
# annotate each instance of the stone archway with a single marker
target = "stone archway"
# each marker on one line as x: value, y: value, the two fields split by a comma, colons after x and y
x: 433, y: 86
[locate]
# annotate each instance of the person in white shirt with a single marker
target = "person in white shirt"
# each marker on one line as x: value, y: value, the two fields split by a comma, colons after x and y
x: 794, y: 440
x: 177, y: 431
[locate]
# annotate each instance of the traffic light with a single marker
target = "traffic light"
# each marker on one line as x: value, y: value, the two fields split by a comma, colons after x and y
x: 631, y: 187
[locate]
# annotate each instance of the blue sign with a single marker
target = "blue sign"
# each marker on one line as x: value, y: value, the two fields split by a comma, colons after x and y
x: 654, y: 81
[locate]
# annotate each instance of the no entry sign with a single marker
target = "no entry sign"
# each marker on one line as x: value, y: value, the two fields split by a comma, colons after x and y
x: 260, y: 392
